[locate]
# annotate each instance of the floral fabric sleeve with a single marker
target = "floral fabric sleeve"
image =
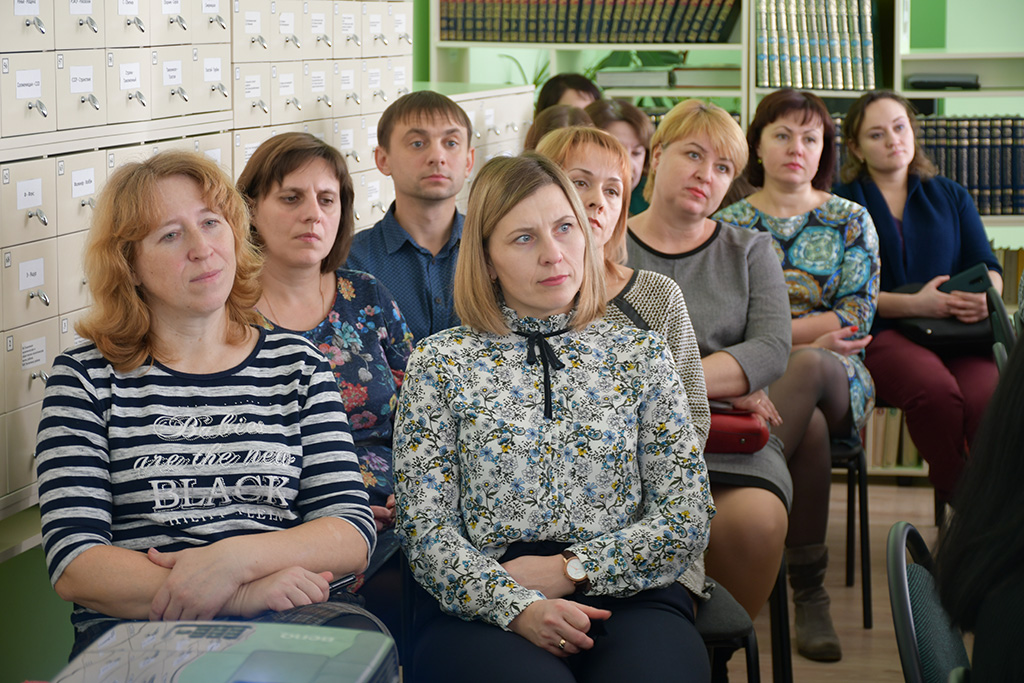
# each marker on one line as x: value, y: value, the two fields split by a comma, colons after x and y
x: 397, y: 340
x: 856, y: 297
x: 465, y: 582
x: 676, y: 509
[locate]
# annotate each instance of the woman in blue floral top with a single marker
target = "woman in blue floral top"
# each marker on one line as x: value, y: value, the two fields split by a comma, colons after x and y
x: 829, y: 253
x: 300, y: 196
x: 551, y: 489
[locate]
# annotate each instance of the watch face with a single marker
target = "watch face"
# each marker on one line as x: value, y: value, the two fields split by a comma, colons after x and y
x: 574, y: 568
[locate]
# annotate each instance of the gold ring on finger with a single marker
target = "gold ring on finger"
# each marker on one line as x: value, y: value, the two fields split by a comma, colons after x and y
x: 561, y: 644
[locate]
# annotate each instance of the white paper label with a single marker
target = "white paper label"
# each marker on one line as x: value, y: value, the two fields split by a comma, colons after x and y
x: 129, y: 75
x: 318, y: 81
x: 488, y: 117
x: 250, y: 149
x: 286, y: 22
x: 347, y: 138
x: 252, y: 22
x: 80, y: 6
x: 171, y: 6
x: 211, y: 6
x: 26, y: 8
x: 127, y: 7
x: 172, y: 72
x: 399, y: 74
x: 28, y: 83
x: 400, y: 23
x: 81, y: 79
x: 371, y: 136
x: 213, y: 154
x: 211, y: 69
x: 373, y: 78
x: 253, y: 87
x: 30, y: 193
x: 286, y: 85
x: 30, y: 274
x: 33, y: 353
x: 347, y: 78
x: 348, y: 24
x: 376, y: 23
x: 318, y: 23
x: 83, y: 182
x: 373, y: 190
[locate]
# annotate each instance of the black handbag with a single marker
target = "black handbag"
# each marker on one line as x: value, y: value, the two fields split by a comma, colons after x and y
x: 946, y: 335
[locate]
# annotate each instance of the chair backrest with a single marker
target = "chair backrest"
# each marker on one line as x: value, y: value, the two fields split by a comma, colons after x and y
x: 1002, y: 327
x: 930, y: 648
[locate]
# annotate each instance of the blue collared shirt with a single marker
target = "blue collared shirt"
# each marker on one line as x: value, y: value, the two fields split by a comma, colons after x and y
x: 420, y: 282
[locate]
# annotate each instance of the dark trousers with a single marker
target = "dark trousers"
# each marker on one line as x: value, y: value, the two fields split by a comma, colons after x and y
x: 943, y: 398
x: 649, y: 637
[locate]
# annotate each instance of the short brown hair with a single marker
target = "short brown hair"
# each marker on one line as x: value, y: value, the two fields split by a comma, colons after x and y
x: 921, y: 165
x: 778, y: 104
x: 284, y: 154
x: 119, y: 321
x: 606, y: 112
x: 553, y: 118
x: 559, y: 144
x: 691, y: 118
x: 502, y: 184
x: 555, y: 87
x: 417, y: 106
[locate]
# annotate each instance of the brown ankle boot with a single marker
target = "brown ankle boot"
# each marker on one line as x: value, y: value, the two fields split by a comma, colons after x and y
x: 815, y: 636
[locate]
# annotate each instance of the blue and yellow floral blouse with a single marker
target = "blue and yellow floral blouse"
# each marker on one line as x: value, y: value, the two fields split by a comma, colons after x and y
x: 367, y: 343
x: 830, y: 260
x: 616, y: 472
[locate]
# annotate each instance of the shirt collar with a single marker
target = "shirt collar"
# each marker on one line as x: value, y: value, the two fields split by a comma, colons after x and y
x: 395, y: 235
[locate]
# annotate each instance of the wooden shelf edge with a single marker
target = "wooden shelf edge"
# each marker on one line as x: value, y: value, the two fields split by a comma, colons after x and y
x: 571, y: 47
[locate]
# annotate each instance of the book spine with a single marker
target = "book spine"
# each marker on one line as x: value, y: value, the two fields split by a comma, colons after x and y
x: 834, y: 49
x: 617, y: 23
x: 985, y: 166
x: 995, y: 173
x: 796, y: 56
x: 445, y: 20
x: 687, y: 19
x: 558, y: 29
x: 810, y: 57
x: 1013, y: 166
x: 939, y: 151
x: 586, y: 19
x: 642, y: 20
x: 675, y: 16
x: 843, y: 23
x: 529, y: 33
x: 572, y: 22
x: 1017, y: 146
x: 837, y: 121
x: 704, y: 35
x: 962, y: 141
x: 761, y: 44
x: 494, y: 20
x: 824, y: 48
x: 785, y: 72
x: 633, y: 16
x: 661, y: 20
x: 725, y: 22
x: 544, y: 9
x: 867, y: 43
x: 927, y: 135
x: 693, y: 30
x: 973, y: 144
x: 607, y: 13
x: 774, y: 56
x: 856, y: 58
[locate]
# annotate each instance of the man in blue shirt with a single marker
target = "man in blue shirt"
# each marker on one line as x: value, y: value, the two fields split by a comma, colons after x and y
x: 424, y: 145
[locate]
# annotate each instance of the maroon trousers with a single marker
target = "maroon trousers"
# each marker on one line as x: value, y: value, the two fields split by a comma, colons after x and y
x: 943, y: 398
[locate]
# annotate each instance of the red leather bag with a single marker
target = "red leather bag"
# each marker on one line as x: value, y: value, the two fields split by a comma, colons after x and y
x: 735, y: 431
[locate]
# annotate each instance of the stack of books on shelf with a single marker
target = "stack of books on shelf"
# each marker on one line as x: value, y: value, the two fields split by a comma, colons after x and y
x: 985, y: 155
x: 887, y: 443
x: 815, y: 44
x: 589, y: 21
x: 705, y: 76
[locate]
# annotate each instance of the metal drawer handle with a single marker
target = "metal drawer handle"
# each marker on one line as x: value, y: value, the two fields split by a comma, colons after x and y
x: 180, y: 92
x: 379, y: 206
x: 38, y: 214
x: 218, y: 19
x: 381, y: 37
x: 136, y: 22
x: 325, y: 38
x: 261, y: 41
x: 219, y: 88
x: 88, y: 21
x: 403, y: 91
x: 262, y: 105
x: 355, y: 39
x: 42, y: 296
x: 38, y: 23
x: 90, y: 202
x: 325, y: 99
x: 354, y: 97
x: 180, y: 21
x: 137, y: 95
x: 39, y: 106
x: 293, y: 39
x: 91, y: 99
x: 295, y: 101
x: 514, y: 127
x: 381, y: 94
x: 405, y: 37
x: 354, y: 154
x: 40, y: 375
x: 494, y: 129
x: 355, y: 214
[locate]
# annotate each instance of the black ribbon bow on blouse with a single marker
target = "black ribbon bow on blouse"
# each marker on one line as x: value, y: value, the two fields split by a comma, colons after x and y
x: 536, y: 342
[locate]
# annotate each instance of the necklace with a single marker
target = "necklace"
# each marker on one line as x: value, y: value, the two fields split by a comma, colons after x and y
x: 324, y: 306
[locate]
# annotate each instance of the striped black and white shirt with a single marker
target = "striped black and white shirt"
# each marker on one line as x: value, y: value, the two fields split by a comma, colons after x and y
x: 156, y: 458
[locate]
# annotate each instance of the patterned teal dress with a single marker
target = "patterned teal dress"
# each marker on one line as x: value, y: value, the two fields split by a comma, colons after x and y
x: 830, y: 260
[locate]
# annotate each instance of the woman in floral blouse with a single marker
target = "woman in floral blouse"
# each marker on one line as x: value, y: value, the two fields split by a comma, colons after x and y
x: 551, y: 490
x: 300, y: 198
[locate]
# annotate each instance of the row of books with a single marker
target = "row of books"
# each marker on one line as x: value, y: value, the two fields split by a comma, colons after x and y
x: 707, y: 76
x: 589, y: 21
x: 816, y: 44
x: 887, y: 442
x: 985, y: 155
